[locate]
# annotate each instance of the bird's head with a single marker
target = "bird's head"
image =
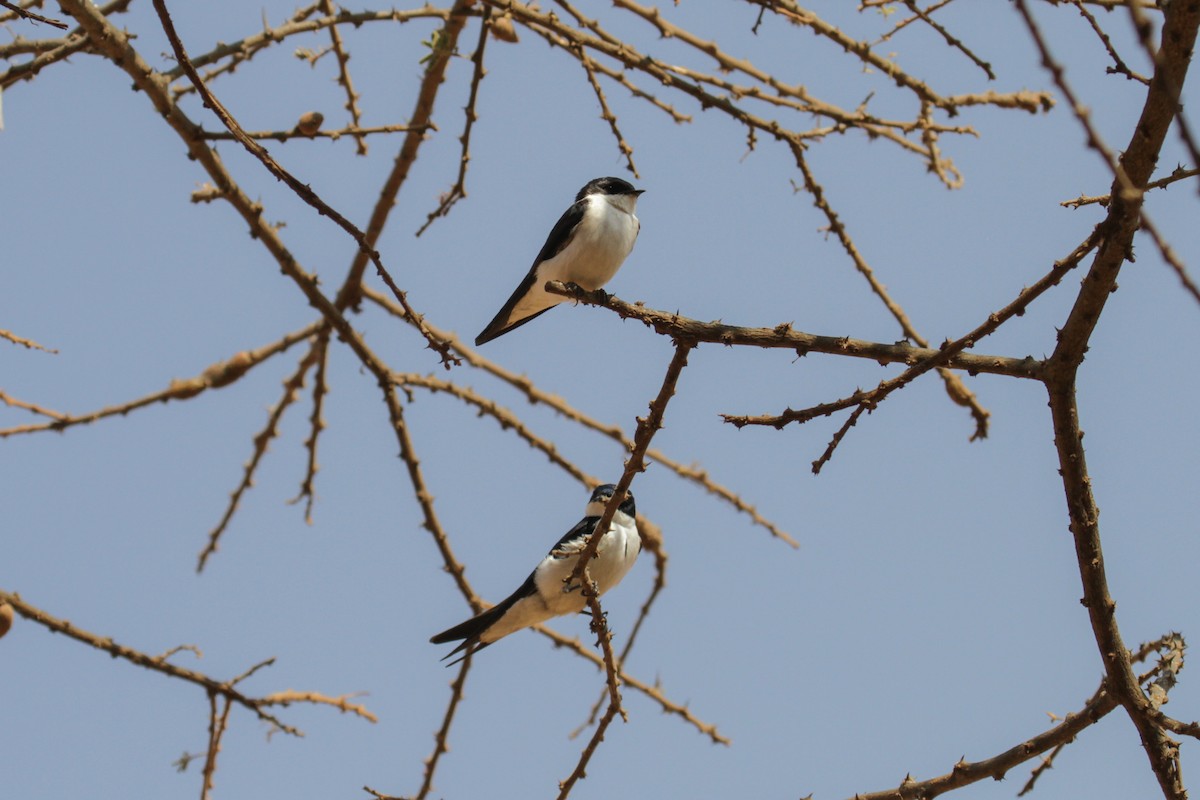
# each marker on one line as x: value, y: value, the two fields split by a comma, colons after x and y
x: 600, y: 497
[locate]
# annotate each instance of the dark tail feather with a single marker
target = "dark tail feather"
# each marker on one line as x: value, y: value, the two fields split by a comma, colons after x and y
x: 494, y: 330
x: 469, y: 632
x: 470, y: 651
x: 472, y: 628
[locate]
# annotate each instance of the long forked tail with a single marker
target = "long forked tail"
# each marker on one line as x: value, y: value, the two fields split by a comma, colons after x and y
x: 469, y: 632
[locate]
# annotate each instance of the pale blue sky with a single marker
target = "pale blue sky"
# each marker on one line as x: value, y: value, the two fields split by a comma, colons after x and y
x: 932, y: 611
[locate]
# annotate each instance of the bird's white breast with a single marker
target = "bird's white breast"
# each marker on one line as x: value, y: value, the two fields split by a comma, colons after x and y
x: 602, y: 241
x: 617, y: 552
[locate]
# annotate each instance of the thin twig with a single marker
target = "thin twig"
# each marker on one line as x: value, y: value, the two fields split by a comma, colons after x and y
x: 291, y: 389
x: 953, y: 384
x: 154, y: 663
x: 422, y: 115
x: 1178, y: 174
x: 216, y: 729
x: 302, y: 190
x: 1130, y: 176
x: 459, y: 190
x: 950, y: 38
x: 216, y: 376
x: 316, y: 424
x: 28, y: 344
x: 945, y: 355
x: 1119, y: 66
x: 536, y: 396
x: 440, y: 739
x: 9, y: 400
x: 653, y: 692
x: 27, y: 14
x: 1169, y: 256
x: 785, y: 337
x: 293, y: 133
x: 343, y: 62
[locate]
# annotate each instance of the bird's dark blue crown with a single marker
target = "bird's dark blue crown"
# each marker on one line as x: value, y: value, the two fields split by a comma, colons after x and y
x: 604, y: 493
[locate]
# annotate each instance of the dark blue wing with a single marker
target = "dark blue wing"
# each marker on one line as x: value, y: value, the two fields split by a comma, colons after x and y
x: 575, y: 539
x: 560, y: 237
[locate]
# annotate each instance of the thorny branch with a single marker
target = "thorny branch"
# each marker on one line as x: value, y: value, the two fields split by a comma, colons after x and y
x: 27, y: 14
x: 1131, y: 174
x: 217, y: 376
x: 535, y: 396
x: 29, y: 344
x: 966, y: 772
x: 365, y: 244
x: 459, y: 190
x: 783, y: 336
x: 343, y: 62
x: 160, y: 664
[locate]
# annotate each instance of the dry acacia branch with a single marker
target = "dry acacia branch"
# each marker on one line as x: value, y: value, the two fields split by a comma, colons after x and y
x: 316, y: 425
x: 965, y: 772
x: 870, y: 399
x: 295, y: 133
x: 952, y: 40
x: 1119, y: 66
x: 291, y: 389
x: 25, y: 13
x: 459, y: 190
x: 505, y: 417
x: 435, y: 73
x: 802, y: 16
x: 904, y: 23
x: 1144, y: 28
x: 424, y: 497
x: 9, y: 400
x: 1024, y: 100
x: 606, y: 114
x: 74, y: 42
x: 1180, y: 24
x: 154, y: 663
x: 21, y: 46
x: 651, y: 536
x: 1081, y: 111
x: 365, y: 246
x: 892, y: 129
x: 216, y: 376
x: 1098, y: 705
x: 242, y: 50
x: 646, y: 428
x: 116, y: 46
x: 555, y: 31
x: 600, y: 628
x: 341, y: 702
x: 28, y: 344
x: 954, y: 385
x: 784, y: 337
x: 216, y: 729
x: 343, y: 62
x: 653, y: 692
x: 440, y: 746
x: 567, y: 43
x: 537, y: 396
x: 1178, y: 174
x: 1168, y: 255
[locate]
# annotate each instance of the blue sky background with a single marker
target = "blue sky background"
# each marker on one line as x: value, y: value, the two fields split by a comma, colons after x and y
x: 932, y: 610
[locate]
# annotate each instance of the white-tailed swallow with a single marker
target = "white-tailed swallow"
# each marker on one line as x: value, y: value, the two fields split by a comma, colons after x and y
x: 587, y: 246
x: 544, y: 594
